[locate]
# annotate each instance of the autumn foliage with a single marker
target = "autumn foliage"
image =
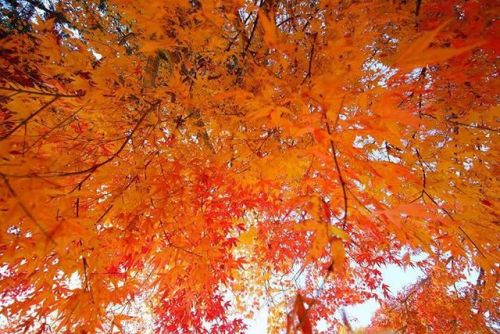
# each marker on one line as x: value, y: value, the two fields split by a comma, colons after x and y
x: 174, y: 166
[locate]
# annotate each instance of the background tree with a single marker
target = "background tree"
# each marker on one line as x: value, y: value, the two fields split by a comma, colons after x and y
x: 168, y: 166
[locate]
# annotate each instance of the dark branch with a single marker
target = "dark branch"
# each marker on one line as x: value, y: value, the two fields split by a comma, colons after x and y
x: 25, y: 209
x: 311, y: 56
x: 26, y: 120
x: 40, y: 93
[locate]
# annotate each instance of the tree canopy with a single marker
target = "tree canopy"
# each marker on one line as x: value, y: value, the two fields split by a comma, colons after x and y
x: 173, y: 166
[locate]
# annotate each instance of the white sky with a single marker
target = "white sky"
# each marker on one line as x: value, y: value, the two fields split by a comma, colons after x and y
x: 359, y: 315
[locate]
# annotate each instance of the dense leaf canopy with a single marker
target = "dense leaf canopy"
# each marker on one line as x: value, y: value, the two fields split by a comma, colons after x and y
x: 173, y: 166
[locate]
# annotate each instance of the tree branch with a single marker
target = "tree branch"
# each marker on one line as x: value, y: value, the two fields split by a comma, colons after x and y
x: 27, y: 119
x: 311, y: 56
x: 25, y: 209
x: 41, y: 93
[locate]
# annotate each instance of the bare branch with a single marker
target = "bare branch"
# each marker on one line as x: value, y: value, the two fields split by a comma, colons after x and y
x: 25, y: 209
x: 26, y: 120
x: 32, y: 92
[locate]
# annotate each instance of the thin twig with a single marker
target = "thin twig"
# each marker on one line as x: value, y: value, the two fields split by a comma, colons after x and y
x: 25, y: 209
x: 27, y: 119
x: 40, y: 93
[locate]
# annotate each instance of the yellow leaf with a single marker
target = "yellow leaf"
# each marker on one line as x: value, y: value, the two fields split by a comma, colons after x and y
x: 338, y: 232
x: 248, y: 237
x: 432, y: 56
x: 338, y: 255
x: 270, y: 33
x: 421, y: 43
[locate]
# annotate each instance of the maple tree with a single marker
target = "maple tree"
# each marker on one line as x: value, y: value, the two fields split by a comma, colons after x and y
x: 171, y: 166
